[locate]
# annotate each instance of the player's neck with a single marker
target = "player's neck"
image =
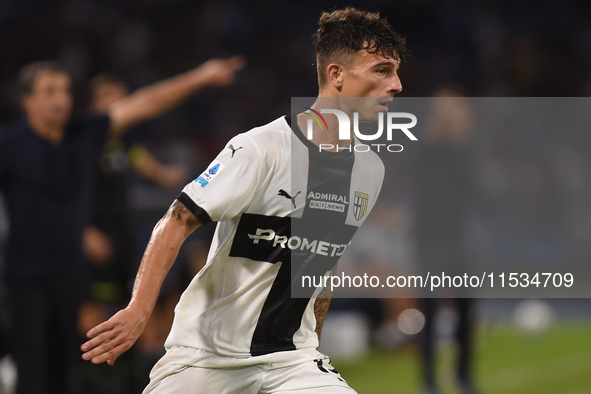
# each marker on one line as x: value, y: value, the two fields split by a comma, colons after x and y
x: 326, y: 133
x: 52, y: 132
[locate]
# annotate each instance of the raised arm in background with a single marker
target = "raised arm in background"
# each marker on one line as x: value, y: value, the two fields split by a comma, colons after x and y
x: 153, y: 100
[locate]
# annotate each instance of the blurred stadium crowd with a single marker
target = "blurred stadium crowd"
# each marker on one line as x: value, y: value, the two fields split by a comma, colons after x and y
x: 533, y: 190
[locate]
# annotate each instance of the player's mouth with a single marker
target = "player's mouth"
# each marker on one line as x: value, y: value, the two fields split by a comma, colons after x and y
x: 384, y: 103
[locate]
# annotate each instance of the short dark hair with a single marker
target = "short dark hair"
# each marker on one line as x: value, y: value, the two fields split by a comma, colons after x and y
x: 343, y: 33
x: 29, y: 72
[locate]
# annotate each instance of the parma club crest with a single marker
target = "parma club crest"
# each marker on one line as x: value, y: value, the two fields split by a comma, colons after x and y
x: 360, y: 205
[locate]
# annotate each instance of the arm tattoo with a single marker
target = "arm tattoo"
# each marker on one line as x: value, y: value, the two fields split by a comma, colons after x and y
x: 177, y: 210
x: 321, y: 308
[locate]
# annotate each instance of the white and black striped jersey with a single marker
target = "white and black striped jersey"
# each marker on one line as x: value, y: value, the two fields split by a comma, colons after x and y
x: 284, y: 209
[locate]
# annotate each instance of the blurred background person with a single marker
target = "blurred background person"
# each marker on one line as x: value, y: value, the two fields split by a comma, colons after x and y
x: 444, y: 198
x: 108, y: 241
x: 47, y: 174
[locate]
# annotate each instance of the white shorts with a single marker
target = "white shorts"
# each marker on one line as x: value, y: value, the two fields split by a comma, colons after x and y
x: 311, y: 376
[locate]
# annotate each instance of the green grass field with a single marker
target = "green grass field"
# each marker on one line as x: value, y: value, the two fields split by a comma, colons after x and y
x: 506, y: 361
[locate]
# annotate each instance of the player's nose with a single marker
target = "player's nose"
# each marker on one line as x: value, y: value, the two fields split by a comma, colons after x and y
x: 395, y: 85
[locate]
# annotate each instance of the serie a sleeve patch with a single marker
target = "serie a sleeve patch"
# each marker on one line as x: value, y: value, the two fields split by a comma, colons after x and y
x: 209, y: 174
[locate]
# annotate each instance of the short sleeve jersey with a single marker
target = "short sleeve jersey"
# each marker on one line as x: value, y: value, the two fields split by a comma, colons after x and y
x: 48, y: 192
x: 283, y: 209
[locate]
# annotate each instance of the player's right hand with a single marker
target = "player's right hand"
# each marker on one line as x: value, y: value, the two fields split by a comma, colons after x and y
x: 112, y: 338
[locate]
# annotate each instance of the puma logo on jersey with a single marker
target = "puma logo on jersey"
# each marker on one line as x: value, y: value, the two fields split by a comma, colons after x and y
x: 286, y: 195
x: 233, y: 150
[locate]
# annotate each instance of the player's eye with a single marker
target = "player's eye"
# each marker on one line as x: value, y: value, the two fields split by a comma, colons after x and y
x: 381, y: 71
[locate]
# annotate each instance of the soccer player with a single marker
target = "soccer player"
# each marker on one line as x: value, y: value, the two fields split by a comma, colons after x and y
x: 47, y: 171
x: 237, y: 328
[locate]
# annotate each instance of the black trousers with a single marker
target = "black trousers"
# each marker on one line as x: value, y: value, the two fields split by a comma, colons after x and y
x: 43, y: 313
x: 463, y: 337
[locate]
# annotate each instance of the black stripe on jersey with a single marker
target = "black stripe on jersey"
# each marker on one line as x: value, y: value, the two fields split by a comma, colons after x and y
x: 281, y: 315
x: 255, y: 238
x: 275, y: 239
x: 194, y: 208
x: 270, y: 239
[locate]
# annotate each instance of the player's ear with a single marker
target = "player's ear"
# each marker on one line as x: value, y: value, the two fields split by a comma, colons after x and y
x: 334, y: 75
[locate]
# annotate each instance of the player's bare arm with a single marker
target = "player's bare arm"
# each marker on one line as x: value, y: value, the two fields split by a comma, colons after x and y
x: 110, y: 339
x: 160, y: 97
x: 321, y: 307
